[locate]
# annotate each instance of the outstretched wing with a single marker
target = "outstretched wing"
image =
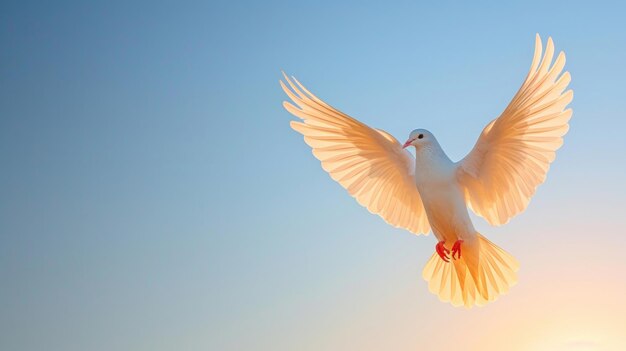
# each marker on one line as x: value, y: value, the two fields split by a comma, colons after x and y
x: 513, y: 154
x: 369, y: 163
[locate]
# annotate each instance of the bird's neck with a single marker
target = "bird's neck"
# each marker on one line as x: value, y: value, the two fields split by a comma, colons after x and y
x: 432, y: 165
x: 431, y: 153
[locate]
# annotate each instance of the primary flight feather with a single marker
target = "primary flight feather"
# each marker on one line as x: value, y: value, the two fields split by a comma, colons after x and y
x: 428, y: 191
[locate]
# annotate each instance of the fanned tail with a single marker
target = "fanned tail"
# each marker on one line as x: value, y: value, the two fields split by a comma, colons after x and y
x: 483, y: 273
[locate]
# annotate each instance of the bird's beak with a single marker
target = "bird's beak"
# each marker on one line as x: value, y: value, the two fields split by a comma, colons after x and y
x: 407, y: 144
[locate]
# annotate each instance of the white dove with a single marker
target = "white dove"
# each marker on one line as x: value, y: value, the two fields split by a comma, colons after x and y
x: 496, y: 179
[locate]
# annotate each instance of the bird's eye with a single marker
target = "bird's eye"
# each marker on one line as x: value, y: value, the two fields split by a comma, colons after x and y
x: 420, y: 136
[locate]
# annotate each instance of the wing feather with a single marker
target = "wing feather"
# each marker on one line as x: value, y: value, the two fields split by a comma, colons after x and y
x: 513, y: 153
x: 369, y: 163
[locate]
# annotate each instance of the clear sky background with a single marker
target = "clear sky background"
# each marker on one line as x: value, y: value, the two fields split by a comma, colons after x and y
x: 153, y: 196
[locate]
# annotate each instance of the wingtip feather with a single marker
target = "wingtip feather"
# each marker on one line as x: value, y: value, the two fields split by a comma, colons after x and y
x: 297, y: 126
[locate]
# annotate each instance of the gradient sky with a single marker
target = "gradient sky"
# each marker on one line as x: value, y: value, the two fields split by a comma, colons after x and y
x: 153, y: 196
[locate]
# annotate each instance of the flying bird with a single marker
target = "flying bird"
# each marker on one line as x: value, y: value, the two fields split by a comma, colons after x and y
x: 428, y: 191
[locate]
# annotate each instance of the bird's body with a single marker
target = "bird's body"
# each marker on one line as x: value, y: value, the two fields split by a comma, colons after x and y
x: 444, y: 203
x: 446, y: 211
x: 427, y: 191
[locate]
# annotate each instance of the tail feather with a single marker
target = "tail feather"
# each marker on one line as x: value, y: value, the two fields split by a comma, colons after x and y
x: 483, y: 273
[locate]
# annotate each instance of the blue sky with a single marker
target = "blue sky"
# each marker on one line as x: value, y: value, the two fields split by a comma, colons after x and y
x: 153, y: 196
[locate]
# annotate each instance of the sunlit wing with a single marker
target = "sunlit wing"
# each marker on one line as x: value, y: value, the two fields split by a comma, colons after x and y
x: 513, y: 154
x: 369, y: 163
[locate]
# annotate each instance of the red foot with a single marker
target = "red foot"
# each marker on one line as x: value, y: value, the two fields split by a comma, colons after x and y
x: 456, y: 248
x: 442, y: 251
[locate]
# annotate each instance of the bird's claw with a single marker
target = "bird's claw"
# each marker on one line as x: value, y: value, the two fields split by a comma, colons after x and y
x: 442, y: 251
x: 456, y: 249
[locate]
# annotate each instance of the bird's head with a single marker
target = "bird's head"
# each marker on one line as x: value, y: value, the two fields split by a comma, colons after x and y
x: 419, y: 138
